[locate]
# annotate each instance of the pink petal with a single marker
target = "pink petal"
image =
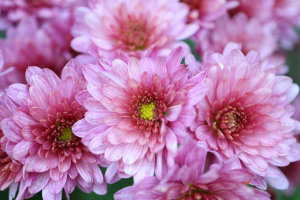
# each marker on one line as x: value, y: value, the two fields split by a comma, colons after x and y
x: 69, y: 186
x: 111, y: 174
x: 72, y: 172
x: 64, y: 166
x: 10, y: 130
x: 124, y: 194
x: 96, y: 145
x: 82, y: 96
x: 132, y: 153
x: 81, y: 128
x: 133, y: 168
x: 187, y: 116
x: 36, y: 164
x: 93, y: 104
x: 120, y: 68
x: 173, y: 112
x: 97, y: 174
x: 52, y: 160
x: 39, y: 183
x: 115, y: 135
x: 174, y: 60
x: 282, y: 85
x: 188, y: 31
x: 21, y: 149
x: 146, y: 170
x: 114, y: 153
x: 134, y: 69
x: 57, y: 186
x: 80, y: 43
x: 196, y: 94
x: 100, y: 189
x: 48, y: 195
x: 26, y: 132
x: 22, y: 119
x: 84, y: 171
x: 102, y: 43
x: 111, y: 91
x: 55, y: 174
x: 276, y: 178
x: 171, y: 142
x: 18, y: 92
x: 95, y: 117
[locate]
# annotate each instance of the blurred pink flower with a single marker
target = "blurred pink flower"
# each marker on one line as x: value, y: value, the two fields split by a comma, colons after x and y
x: 286, y: 13
x: 194, y: 177
x: 247, y: 111
x: 13, y: 11
x: 41, y: 127
x: 251, y: 33
x: 205, y: 12
x: 137, y: 28
x: 260, y: 9
x: 137, y: 111
x: 10, y: 170
x: 31, y: 45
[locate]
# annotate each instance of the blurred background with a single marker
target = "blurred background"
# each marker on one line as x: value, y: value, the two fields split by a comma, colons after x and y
x: 293, y: 61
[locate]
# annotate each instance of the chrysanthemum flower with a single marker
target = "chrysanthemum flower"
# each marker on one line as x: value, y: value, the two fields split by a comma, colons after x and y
x: 41, y: 138
x: 286, y: 13
x: 194, y: 177
x: 138, y: 111
x: 137, y: 28
x: 13, y: 11
x: 204, y: 12
x: 247, y: 112
x: 251, y: 33
x: 31, y: 45
x: 10, y: 170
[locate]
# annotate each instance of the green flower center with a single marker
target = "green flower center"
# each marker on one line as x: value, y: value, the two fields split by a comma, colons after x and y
x: 147, y: 111
x: 66, y: 134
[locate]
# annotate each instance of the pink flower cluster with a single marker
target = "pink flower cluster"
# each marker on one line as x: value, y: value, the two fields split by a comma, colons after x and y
x: 266, y: 26
x: 94, y: 84
x: 194, y: 180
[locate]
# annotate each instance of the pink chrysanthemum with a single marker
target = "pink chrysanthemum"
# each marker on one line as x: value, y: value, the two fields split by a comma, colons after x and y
x: 194, y: 177
x: 286, y: 13
x: 11, y: 173
x: 31, y: 45
x: 137, y: 28
x: 204, y: 12
x: 260, y: 9
x: 41, y: 126
x: 251, y: 33
x: 247, y: 112
x: 10, y: 170
x: 13, y: 11
x: 138, y: 111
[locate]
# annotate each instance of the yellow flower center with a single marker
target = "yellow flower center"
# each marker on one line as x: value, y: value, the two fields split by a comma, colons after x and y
x: 147, y: 111
x: 66, y: 134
